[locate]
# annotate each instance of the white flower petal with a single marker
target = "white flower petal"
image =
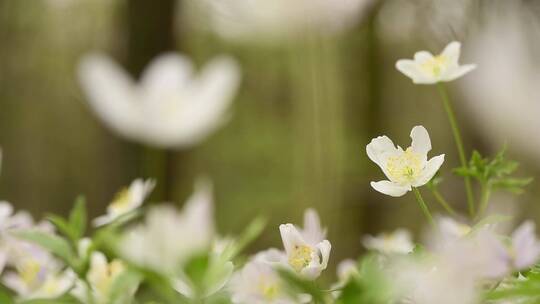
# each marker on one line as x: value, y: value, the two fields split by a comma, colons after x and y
x: 111, y: 94
x: 422, y: 56
x: 421, y: 143
x: 390, y: 188
x: 379, y: 149
x: 525, y: 245
x: 412, y: 70
x: 290, y: 237
x: 452, y: 52
x: 168, y: 73
x: 313, y: 232
x: 457, y: 72
x: 430, y: 170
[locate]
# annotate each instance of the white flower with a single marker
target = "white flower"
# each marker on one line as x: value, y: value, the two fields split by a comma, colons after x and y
x: 397, y: 242
x: 279, y: 19
x: 524, y: 250
x: 307, y: 251
x: 404, y: 169
x: 126, y: 201
x: 423, y: 281
x: 37, y: 276
x: 429, y: 69
x: 167, y: 238
x: 258, y: 283
x: 502, y: 99
x: 170, y: 107
x: 101, y: 275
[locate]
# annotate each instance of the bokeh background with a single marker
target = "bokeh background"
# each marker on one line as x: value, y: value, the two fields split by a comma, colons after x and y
x: 276, y: 156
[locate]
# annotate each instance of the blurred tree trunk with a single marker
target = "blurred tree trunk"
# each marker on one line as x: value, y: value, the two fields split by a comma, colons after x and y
x: 150, y: 27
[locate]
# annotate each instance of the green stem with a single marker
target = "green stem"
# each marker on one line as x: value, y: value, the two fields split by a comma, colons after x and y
x: 459, y: 144
x: 484, y: 200
x: 440, y: 199
x: 423, y: 206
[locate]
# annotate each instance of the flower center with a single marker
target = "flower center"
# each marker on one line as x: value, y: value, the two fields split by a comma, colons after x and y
x: 121, y: 200
x: 300, y: 257
x: 436, y: 65
x: 404, y: 168
x: 31, y: 272
x: 269, y: 290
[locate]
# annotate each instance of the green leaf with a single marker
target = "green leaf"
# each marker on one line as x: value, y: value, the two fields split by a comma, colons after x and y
x: 253, y: 230
x: 78, y: 217
x: 300, y: 285
x: 124, y: 286
x: 62, y: 226
x: 55, y: 244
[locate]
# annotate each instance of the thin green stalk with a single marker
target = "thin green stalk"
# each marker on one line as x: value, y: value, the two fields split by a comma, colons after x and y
x: 423, y: 206
x: 459, y: 144
x: 440, y: 199
x: 484, y: 200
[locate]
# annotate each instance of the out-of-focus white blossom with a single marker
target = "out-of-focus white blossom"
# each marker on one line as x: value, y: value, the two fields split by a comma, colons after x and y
x: 100, y: 277
x: 167, y: 238
x: 126, y: 201
x: 397, y: 242
x: 170, y: 107
x: 405, y: 169
x: 258, y: 283
x: 306, y: 249
x: 524, y: 249
x: 248, y: 20
x: 502, y: 97
x: 429, y: 69
x: 37, y: 276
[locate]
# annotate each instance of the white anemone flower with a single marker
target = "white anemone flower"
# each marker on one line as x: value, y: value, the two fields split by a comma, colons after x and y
x: 126, y: 200
x: 429, y: 69
x: 524, y: 249
x: 38, y: 276
x: 242, y: 20
x: 170, y: 107
x: 405, y: 169
x: 397, y: 242
x: 100, y: 277
x: 306, y: 249
x: 168, y: 238
x: 258, y: 283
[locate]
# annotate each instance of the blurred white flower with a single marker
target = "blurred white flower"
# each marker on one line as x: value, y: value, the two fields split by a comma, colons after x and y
x: 169, y: 107
x: 502, y: 98
x: 346, y: 269
x: 278, y: 19
x: 126, y: 200
x: 168, y: 238
x: 397, y: 242
x: 524, y: 249
x: 306, y: 249
x: 100, y: 277
x: 258, y: 283
x: 404, y: 169
x: 422, y: 281
x: 429, y: 69
x: 38, y: 276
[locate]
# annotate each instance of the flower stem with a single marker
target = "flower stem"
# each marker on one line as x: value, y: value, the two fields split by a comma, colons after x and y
x: 459, y: 144
x: 423, y: 206
x: 484, y: 200
x: 440, y: 199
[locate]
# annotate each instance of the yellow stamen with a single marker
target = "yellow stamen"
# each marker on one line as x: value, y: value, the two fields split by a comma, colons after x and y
x: 404, y: 168
x: 436, y: 65
x: 121, y: 200
x: 300, y: 257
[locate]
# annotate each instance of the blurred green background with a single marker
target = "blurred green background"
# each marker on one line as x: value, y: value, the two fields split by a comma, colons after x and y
x: 275, y: 157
